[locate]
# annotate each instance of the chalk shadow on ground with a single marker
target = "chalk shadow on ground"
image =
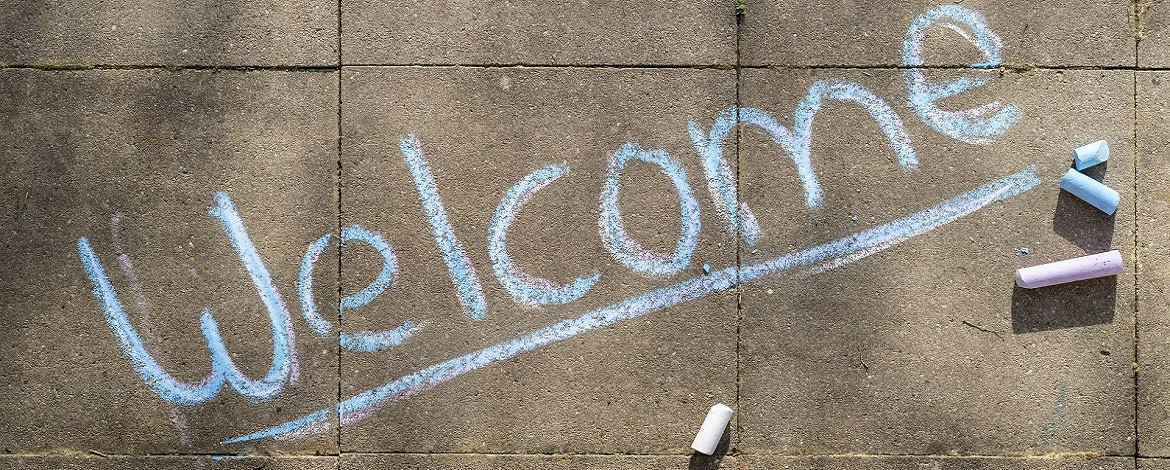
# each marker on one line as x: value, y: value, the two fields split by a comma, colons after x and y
x: 1082, y: 224
x: 1083, y: 303
x: 701, y: 461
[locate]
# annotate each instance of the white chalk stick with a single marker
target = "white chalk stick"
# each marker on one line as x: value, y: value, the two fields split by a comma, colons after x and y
x: 712, y: 429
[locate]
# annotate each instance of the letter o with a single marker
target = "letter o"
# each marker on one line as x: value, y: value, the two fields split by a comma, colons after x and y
x: 613, y: 232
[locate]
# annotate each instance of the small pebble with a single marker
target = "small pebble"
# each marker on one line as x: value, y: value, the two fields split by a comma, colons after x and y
x: 706, y: 269
x: 854, y: 218
x: 1023, y: 250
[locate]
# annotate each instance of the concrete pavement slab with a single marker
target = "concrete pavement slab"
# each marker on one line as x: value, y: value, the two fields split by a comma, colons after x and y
x: 1069, y: 462
x: 924, y: 345
x: 206, y: 462
x: 1153, y: 464
x: 827, y: 32
x: 128, y: 163
x: 524, y: 462
x: 642, y: 385
x: 1154, y: 21
x: 563, y: 32
x: 1153, y: 103
x: 54, y: 34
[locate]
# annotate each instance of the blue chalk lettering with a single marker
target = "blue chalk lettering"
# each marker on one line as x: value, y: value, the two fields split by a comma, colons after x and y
x: 283, y: 352
x: 149, y: 370
x: 971, y: 125
x: 222, y: 367
x: 528, y: 290
x: 613, y: 232
x: 829, y: 255
x: 797, y: 143
x: 462, y: 273
x: 721, y: 181
x: 363, y: 341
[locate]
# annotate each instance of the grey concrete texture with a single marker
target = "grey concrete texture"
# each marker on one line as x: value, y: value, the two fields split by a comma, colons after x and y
x: 928, y: 347
x: 1154, y: 32
x: 922, y: 355
x: 562, y: 32
x: 130, y: 160
x: 501, y: 462
x: 1153, y: 298
x: 824, y: 32
x: 93, y: 461
x: 1062, y: 462
x: 56, y: 34
x: 1153, y: 464
x: 640, y: 386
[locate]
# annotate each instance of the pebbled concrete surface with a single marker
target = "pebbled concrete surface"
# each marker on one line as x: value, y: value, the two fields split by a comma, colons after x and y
x: 563, y: 32
x: 828, y: 33
x: 56, y: 34
x: 1152, y: 206
x: 919, y: 356
x: 928, y: 348
x: 130, y: 160
x: 641, y: 386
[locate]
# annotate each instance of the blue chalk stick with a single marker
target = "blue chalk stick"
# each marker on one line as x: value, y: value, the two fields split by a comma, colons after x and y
x: 1091, y: 191
x: 1091, y: 154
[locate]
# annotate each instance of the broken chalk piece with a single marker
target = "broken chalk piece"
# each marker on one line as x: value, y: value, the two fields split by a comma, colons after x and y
x: 1091, y: 154
x: 1091, y: 191
x: 711, y: 432
x: 1070, y: 270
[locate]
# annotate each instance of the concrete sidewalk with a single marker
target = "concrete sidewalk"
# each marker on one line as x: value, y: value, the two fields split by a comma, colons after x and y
x: 560, y: 249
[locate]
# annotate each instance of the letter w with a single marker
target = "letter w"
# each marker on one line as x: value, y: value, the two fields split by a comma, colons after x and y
x: 222, y: 367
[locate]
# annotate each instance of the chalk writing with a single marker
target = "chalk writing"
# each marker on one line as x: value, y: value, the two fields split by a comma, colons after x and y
x: 835, y: 253
x: 968, y: 125
x: 364, y: 341
x: 720, y: 181
x: 222, y: 367
x: 972, y: 126
x: 527, y: 290
x: 462, y: 273
x: 613, y: 233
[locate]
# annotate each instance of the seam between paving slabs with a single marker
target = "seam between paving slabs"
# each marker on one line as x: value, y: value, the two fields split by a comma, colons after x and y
x: 341, y: 327
x: 332, y: 68
x: 339, y: 271
x: 1061, y: 456
x: 738, y: 245
x: 1137, y: 39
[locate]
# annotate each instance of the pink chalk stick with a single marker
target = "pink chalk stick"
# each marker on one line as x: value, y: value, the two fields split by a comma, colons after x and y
x: 1070, y: 270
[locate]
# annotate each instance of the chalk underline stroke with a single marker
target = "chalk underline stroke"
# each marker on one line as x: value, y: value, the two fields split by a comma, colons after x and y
x: 820, y: 258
